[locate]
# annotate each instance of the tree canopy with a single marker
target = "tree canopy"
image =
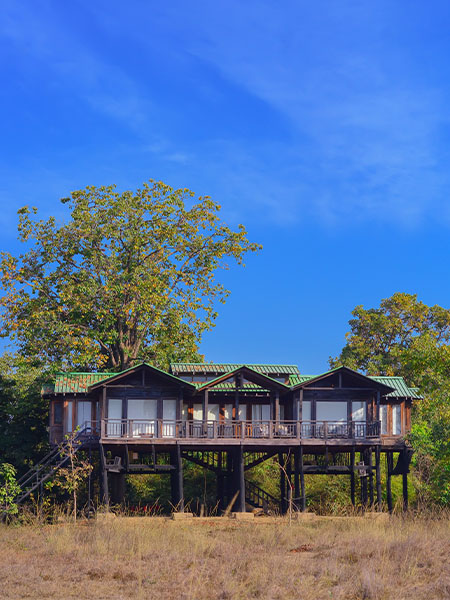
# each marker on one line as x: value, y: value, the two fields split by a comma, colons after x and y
x: 404, y: 336
x: 129, y: 276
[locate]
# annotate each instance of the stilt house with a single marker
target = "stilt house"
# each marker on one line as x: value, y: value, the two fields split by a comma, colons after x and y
x: 231, y: 417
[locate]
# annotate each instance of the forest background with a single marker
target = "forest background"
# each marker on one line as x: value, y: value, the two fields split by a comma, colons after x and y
x: 134, y: 276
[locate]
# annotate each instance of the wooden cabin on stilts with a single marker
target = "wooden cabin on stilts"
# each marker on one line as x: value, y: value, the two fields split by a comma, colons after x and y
x: 230, y: 418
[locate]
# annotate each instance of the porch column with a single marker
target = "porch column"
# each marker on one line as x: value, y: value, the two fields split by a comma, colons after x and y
x: 236, y: 399
x: 405, y: 486
x: 205, y: 403
x: 104, y: 478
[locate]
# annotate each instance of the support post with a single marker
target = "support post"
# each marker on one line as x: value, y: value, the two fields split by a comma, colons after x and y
x: 297, y: 476
x: 282, y: 483
x: 105, y: 490
x: 370, y: 464
x: 389, y: 460
x: 220, y: 483
x: 352, y: 476
x: 363, y: 481
x: 241, y: 479
x: 405, y: 490
x: 378, y: 477
x: 176, y: 479
x: 302, y: 482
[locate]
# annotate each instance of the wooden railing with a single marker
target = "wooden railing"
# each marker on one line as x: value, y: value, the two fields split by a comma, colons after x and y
x: 162, y: 428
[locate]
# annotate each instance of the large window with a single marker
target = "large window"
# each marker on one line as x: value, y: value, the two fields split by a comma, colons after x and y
x: 358, y: 411
x: 143, y: 412
x: 260, y: 412
x: 396, y: 419
x: 331, y: 411
x: 69, y: 416
x: 306, y: 410
x: 84, y: 413
x: 213, y: 412
x: 384, y: 419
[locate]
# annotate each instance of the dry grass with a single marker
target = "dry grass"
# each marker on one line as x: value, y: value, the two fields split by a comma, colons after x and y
x: 117, y: 558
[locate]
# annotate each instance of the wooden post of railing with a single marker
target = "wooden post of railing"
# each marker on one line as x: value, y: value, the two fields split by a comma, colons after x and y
x: 270, y: 429
x: 102, y: 428
x: 243, y: 429
x: 352, y: 430
x: 215, y: 429
x: 325, y: 430
x: 158, y: 428
x: 298, y: 430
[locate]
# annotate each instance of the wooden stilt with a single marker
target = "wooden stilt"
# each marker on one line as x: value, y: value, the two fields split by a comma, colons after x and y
x: 370, y: 464
x: 389, y: 461
x: 302, y: 482
x: 352, y: 476
x: 363, y: 481
x: 220, y: 492
x: 177, y: 480
x: 297, y: 477
x: 378, y: 477
x: 405, y: 490
x: 240, y: 467
x: 105, y: 490
x: 282, y: 483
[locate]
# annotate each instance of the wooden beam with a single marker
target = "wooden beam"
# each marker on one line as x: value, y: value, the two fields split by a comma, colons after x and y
x: 370, y: 464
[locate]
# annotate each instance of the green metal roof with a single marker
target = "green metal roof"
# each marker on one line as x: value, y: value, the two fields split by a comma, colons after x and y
x: 248, y: 385
x: 401, y: 390
x: 220, y: 368
x: 73, y: 383
x: 80, y: 382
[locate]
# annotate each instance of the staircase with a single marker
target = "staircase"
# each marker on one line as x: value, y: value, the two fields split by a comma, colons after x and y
x: 49, y: 465
x: 259, y: 498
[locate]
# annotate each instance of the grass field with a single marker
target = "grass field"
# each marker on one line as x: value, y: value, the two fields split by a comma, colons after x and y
x: 321, y: 558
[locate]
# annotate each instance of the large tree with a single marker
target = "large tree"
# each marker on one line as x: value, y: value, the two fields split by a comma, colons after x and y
x: 129, y: 276
x: 404, y: 336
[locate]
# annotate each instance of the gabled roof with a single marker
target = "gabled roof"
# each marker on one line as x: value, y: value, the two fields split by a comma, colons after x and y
x: 381, y: 385
x: 401, y: 389
x: 143, y: 365
x: 204, y: 368
x: 262, y: 381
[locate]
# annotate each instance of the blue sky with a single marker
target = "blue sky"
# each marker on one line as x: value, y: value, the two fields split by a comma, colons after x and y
x: 322, y: 126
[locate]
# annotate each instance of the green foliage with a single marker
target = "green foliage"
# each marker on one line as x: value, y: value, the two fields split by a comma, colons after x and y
x: 129, y: 276
x: 23, y: 412
x: 9, y: 489
x: 406, y: 337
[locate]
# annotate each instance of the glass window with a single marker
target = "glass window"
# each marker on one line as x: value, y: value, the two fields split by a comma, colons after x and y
x: 69, y: 415
x: 57, y: 413
x: 213, y: 412
x: 383, y: 417
x: 331, y: 411
x: 397, y: 419
x: 242, y: 412
x: 184, y: 412
x: 358, y: 411
x: 260, y: 412
x: 198, y: 412
x: 84, y: 413
x: 281, y: 412
x: 228, y: 412
x: 306, y: 410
